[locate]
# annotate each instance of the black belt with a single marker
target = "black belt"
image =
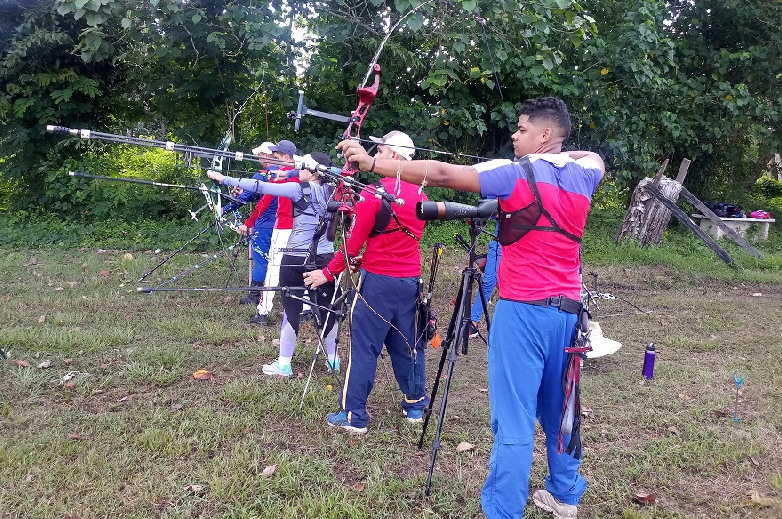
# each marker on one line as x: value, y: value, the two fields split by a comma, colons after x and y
x: 565, y: 304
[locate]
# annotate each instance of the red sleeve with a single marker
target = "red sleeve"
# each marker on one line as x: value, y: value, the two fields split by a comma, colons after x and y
x: 258, y: 210
x: 363, y: 222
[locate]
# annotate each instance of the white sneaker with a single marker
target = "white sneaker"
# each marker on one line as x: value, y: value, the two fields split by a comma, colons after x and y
x: 543, y: 499
x: 274, y: 369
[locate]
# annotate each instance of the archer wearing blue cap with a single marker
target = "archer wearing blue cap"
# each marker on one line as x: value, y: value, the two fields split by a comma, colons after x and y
x: 285, y: 147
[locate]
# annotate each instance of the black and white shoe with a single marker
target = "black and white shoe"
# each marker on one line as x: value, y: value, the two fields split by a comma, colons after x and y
x: 473, y: 330
x: 260, y: 319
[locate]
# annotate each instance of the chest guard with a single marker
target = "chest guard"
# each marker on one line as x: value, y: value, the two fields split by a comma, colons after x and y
x: 514, y: 225
x: 301, y: 205
x: 383, y: 218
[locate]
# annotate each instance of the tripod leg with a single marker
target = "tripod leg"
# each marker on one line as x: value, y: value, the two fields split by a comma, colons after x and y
x: 449, y: 338
x: 439, y: 427
x: 435, y: 385
x: 461, y: 318
x: 320, y: 345
x: 454, y: 326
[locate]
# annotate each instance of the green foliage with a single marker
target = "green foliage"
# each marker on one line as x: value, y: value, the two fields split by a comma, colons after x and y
x: 768, y: 187
x: 645, y: 79
x: 98, y: 199
x: 124, y: 66
x: 774, y: 206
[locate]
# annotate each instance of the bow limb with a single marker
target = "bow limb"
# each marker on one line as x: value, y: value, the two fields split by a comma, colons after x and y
x: 366, y: 97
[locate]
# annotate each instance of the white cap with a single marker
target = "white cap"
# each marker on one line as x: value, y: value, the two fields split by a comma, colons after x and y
x: 265, y: 148
x: 399, y: 142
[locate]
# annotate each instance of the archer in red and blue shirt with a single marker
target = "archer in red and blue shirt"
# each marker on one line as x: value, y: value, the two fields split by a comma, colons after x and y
x: 539, y: 283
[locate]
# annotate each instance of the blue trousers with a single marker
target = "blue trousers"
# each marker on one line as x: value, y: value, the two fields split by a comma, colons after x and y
x: 393, y: 304
x: 493, y: 255
x: 526, y: 365
x: 260, y: 243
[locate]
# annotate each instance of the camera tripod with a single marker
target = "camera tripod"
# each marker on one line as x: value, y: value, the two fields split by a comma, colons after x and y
x: 456, y: 338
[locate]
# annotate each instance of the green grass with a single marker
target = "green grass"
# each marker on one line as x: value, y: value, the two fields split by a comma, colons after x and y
x: 135, y: 431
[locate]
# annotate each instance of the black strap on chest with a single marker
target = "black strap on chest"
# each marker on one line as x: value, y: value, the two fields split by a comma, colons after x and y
x: 514, y: 225
x: 301, y: 205
x: 383, y: 218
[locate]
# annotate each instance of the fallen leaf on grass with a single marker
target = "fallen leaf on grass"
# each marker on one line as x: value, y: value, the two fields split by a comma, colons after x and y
x: 644, y: 498
x: 269, y: 470
x: 103, y: 272
x: 20, y: 363
x: 761, y: 500
x: 464, y: 447
x: 329, y: 387
x: 203, y: 374
x: 42, y: 319
x: 127, y: 257
x: 358, y: 487
x: 45, y: 364
x: 194, y: 488
x: 75, y: 436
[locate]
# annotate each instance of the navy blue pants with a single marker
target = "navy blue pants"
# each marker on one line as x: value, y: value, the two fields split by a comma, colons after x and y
x: 260, y: 243
x: 393, y: 304
x: 527, y: 361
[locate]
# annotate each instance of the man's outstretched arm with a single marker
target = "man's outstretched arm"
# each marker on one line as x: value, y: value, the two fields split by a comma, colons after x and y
x: 434, y: 173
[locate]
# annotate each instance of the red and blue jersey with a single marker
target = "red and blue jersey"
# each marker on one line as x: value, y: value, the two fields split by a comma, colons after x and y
x: 543, y: 264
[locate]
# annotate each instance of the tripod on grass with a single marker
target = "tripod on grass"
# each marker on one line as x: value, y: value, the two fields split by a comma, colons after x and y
x: 457, y: 338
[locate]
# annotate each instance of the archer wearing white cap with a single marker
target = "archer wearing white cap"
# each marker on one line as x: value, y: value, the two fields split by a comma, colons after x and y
x: 385, y: 312
x: 394, y: 145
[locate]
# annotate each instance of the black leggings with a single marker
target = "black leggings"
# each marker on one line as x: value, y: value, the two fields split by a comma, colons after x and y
x: 292, y: 275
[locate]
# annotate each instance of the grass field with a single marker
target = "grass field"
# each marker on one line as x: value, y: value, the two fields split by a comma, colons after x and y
x: 130, y: 434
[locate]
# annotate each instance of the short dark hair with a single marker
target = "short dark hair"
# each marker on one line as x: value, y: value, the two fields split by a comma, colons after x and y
x: 551, y: 108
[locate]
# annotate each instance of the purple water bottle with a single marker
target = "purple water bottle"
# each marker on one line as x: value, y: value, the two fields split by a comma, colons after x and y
x: 649, y: 356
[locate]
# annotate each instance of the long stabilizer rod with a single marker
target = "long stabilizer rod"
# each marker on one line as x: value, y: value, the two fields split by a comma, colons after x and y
x: 167, y: 145
x: 149, y: 290
x: 132, y: 180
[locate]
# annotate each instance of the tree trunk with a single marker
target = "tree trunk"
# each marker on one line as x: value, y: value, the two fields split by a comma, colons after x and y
x: 646, y: 218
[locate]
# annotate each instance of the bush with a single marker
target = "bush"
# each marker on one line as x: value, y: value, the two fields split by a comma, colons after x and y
x: 774, y: 206
x: 767, y: 187
x: 92, y: 199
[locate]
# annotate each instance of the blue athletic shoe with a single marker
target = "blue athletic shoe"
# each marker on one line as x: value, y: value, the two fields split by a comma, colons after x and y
x: 332, y: 367
x: 413, y: 415
x: 275, y: 369
x: 340, y: 419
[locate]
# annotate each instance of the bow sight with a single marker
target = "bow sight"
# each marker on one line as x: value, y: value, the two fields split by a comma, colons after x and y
x: 303, y: 110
